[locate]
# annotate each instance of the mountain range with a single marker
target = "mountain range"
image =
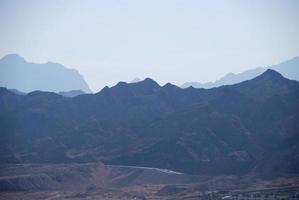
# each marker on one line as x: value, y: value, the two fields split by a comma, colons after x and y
x: 21, y: 76
x: 246, y: 128
x: 288, y: 69
x: 17, y: 73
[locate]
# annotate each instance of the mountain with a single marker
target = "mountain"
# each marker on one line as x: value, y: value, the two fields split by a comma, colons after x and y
x: 289, y: 69
x: 17, y: 92
x: 135, y: 80
x: 246, y: 128
x: 17, y: 73
x: 72, y: 93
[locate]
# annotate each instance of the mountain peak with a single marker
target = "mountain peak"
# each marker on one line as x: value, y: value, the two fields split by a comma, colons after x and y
x: 266, y: 85
x: 147, y: 86
x: 121, y: 83
x: 170, y: 86
x: 150, y: 82
x: 13, y: 57
x: 269, y: 76
x: 270, y: 73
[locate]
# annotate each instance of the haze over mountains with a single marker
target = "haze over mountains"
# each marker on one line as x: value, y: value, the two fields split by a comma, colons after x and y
x: 250, y: 127
x: 289, y: 69
x: 17, y: 73
x: 22, y: 76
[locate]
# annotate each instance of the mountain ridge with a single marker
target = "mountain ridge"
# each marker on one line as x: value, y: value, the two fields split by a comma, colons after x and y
x: 289, y: 69
x: 227, y: 130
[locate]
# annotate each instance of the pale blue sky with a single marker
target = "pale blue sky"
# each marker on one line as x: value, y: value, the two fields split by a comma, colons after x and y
x: 169, y: 41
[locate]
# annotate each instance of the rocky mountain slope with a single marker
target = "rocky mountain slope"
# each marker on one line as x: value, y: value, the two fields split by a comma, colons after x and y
x: 246, y: 128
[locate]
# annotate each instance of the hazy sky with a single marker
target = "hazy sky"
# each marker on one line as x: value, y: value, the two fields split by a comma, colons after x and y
x: 169, y: 41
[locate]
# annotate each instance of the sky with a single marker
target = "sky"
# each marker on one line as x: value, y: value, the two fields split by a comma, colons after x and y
x: 167, y: 40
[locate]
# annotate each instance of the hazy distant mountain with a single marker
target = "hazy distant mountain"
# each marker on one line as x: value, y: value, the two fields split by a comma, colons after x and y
x: 250, y: 127
x: 17, y: 73
x: 289, y: 69
x: 17, y: 92
x: 135, y: 80
x: 72, y: 93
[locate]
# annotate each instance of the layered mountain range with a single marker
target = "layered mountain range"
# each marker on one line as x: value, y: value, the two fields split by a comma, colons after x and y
x: 288, y: 69
x: 248, y: 128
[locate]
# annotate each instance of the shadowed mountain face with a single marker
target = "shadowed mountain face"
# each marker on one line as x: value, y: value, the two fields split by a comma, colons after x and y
x: 17, y: 73
x: 250, y: 127
x: 289, y: 69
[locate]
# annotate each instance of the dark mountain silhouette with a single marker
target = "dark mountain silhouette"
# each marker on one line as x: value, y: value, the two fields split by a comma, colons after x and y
x: 247, y: 128
x: 17, y: 73
x: 289, y: 69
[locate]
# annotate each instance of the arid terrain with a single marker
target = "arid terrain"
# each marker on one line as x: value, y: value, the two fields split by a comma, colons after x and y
x: 149, y: 100
x: 98, y: 181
